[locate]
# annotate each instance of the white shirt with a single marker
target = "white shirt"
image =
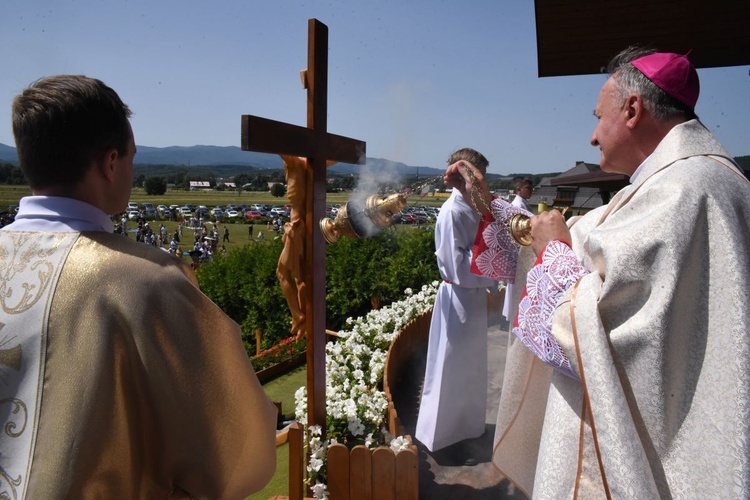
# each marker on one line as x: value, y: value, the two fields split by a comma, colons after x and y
x: 59, y: 214
x: 520, y: 202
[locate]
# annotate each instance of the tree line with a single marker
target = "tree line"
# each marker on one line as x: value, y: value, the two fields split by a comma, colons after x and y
x: 153, y: 177
x: 156, y: 179
x: 11, y: 175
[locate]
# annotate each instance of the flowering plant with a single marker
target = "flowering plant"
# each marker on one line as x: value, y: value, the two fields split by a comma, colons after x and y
x: 355, y: 404
x: 284, y: 350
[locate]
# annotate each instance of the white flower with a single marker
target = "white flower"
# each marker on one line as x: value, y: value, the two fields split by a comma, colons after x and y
x: 315, y: 464
x: 300, y: 407
x: 320, y: 491
x: 315, y: 442
x: 399, y: 444
x: 356, y: 427
x: 369, y: 440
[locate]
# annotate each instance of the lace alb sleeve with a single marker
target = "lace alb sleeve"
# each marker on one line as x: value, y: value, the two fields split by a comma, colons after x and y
x: 495, y: 252
x: 556, y: 270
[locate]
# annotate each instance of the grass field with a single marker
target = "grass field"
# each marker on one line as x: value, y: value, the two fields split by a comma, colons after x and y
x: 238, y: 230
x: 10, y: 195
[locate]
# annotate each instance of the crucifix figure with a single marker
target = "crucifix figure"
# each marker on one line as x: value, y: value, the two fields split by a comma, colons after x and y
x: 319, y: 148
x: 291, y: 267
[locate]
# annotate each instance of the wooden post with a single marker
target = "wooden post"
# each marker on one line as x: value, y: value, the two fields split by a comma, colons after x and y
x: 257, y: 341
x: 296, y: 461
x: 318, y: 146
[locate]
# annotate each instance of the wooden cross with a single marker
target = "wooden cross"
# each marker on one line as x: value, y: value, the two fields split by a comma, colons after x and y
x: 318, y: 146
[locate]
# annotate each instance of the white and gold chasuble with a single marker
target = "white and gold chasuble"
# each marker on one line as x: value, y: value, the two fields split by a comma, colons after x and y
x: 119, y: 378
x: 658, y: 332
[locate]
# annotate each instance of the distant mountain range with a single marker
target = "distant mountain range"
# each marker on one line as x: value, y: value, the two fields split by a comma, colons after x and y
x: 227, y: 156
x: 8, y: 154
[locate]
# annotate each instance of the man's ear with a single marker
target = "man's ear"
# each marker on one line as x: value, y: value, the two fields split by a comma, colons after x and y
x: 633, y: 110
x: 108, y: 164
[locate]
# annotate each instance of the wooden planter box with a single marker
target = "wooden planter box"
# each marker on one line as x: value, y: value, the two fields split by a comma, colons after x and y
x: 379, y: 474
x: 285, y: 366
x: 411, y: 339
x: 361, y: 473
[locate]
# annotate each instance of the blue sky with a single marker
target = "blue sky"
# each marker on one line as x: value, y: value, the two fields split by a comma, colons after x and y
x: 414, y: 79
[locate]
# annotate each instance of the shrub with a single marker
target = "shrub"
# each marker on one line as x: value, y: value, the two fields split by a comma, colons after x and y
x: 374, y: 271
x: 243, y: 283
x: 360, y: 273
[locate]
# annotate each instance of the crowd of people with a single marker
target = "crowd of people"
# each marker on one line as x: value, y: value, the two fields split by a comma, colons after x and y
x: 6, y: 218
x: 205, y: 236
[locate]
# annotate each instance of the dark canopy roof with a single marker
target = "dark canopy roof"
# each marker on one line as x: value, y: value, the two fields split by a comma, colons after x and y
x: 578, y: 37
x: 586, y: 176
x: 590, y: 175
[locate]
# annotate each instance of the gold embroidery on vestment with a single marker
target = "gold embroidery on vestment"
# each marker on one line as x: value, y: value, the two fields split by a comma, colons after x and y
x: 26, y: 254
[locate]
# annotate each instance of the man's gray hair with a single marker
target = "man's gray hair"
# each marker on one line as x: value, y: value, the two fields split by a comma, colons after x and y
x: 630, y: 80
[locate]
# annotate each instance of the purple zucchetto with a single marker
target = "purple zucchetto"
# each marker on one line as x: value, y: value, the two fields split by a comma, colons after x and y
x: 673, y: 73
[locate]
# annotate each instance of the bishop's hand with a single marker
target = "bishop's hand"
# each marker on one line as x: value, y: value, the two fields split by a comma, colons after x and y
x: 548, y: 226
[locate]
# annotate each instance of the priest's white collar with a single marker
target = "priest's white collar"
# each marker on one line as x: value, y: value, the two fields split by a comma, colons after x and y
x: 637, y: 170
x: 59, y: 214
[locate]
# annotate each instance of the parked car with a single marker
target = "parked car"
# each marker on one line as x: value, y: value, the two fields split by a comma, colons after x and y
x: 280, y: 212
x: 411, y: 218
x: 202, y: 211
x: 149, y: 210
x: 217, y: 212
x: 253, y: 214
x: 262, y: 209
x: 133, y: 214
x: 186, y: 212
x: 231, y: 214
